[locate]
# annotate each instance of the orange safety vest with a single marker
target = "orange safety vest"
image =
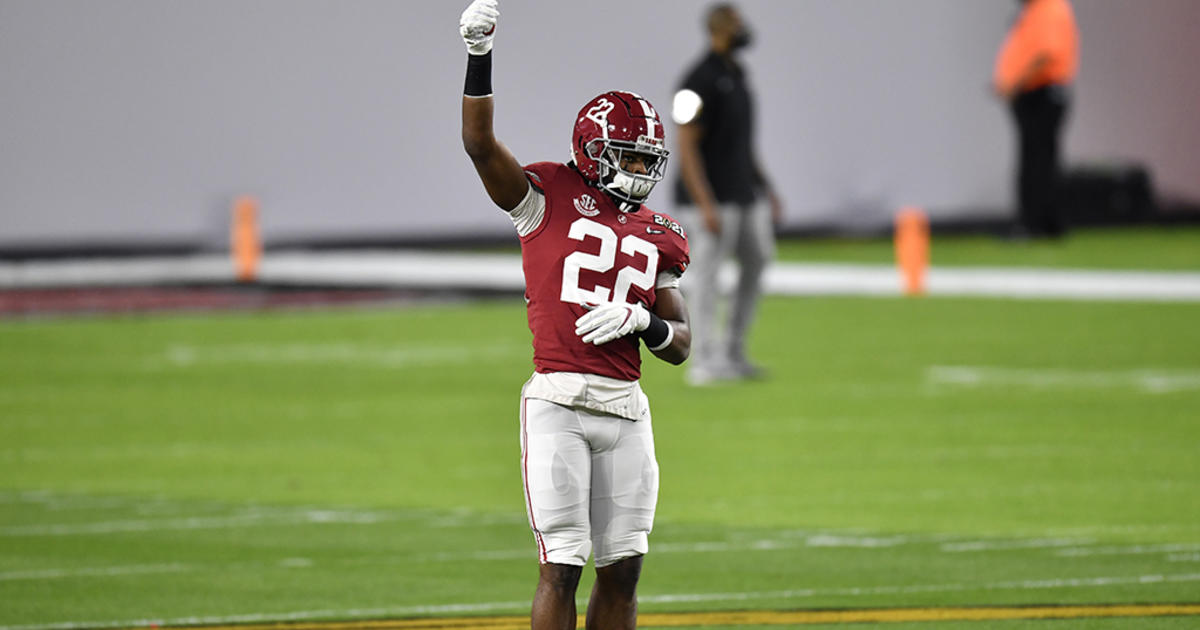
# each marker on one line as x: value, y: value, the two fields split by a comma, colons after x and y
x: 1044, y: 27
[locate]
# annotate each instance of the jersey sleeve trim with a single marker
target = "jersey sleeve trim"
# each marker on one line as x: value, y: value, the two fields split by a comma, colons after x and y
x: 535, y: 181
x: 540, y: 176
x: 668, y: 279
x: 528, y: 214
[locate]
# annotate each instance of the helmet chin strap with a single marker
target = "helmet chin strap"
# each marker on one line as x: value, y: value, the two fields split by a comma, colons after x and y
x: 620, y: 187
x: 632, y: 186
x: 626, y: 206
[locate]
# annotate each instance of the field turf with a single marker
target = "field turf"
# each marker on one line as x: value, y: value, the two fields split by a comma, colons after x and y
x: 1174, y: 248
x: 359, y: 464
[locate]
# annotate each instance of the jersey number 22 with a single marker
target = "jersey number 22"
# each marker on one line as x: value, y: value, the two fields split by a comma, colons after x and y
x: 603, y: 261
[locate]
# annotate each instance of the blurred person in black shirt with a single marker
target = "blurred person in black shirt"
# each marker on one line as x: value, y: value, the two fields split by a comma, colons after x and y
x: 726, y: 203
x: 1034, y: 71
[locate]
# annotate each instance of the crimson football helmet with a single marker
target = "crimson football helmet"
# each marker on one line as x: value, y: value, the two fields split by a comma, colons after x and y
x: 609, y: 127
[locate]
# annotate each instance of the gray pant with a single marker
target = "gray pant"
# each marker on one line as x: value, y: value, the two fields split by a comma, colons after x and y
x: 748, y: 235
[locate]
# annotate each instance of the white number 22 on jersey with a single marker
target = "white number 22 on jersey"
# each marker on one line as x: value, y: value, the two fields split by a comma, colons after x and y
x: 603, y: 261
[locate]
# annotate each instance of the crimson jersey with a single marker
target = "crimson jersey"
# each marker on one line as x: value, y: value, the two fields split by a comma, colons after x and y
x: 585, y: 250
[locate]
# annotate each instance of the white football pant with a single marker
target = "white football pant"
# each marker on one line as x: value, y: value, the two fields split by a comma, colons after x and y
x: 591, y: 482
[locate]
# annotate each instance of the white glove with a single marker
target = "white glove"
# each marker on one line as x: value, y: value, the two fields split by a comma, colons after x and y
x: 611, y: 320
x: 478, y: 26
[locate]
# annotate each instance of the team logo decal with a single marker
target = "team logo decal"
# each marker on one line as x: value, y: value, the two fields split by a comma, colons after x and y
x: 621, y: 218
x: 599, y: 113
x: 586, y: 206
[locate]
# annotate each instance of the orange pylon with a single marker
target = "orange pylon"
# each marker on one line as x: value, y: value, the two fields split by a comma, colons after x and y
x: 912, y: 249
x: 245, y: 243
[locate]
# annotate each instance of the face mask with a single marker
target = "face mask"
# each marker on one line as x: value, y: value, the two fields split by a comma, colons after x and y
x: 743, y: 39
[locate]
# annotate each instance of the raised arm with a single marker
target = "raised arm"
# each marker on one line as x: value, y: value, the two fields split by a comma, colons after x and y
x: 500, y: 172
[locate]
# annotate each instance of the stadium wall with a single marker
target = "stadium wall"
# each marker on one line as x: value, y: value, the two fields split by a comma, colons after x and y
x: 138, y: 121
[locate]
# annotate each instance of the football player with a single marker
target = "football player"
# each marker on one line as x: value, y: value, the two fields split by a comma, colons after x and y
x: 602, y: 278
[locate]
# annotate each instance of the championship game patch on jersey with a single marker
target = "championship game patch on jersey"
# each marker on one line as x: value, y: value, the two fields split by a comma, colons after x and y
x: 669, y: 224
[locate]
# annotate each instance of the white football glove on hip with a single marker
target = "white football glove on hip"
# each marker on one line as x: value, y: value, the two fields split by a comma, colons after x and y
x: 611, y: 320
x: 478, y: 25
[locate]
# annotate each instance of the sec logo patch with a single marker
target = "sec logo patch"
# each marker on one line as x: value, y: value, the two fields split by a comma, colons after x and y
x: 586, y: 205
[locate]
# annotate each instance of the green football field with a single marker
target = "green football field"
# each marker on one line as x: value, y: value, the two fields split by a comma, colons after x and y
x: 1174, y: 248
x: 354, y: 464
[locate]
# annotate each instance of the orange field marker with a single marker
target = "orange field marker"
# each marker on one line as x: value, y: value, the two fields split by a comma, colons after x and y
x: 245, y: 244
x: 912, y: 249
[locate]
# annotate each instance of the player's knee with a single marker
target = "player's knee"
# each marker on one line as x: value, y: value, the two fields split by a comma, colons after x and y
x: 621, y: 577
x: 560, y: 578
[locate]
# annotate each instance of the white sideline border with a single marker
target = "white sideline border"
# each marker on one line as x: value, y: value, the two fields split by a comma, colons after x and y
x: 502, y: 272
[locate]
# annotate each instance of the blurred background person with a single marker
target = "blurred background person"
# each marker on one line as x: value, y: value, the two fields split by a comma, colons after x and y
x: 1034, y: 69
x: 726, y: 203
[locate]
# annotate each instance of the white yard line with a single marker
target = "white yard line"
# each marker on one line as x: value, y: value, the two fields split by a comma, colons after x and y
x: 650, y: 598
x: 1069, y: 545
x: 1149, y: 380
x: 1128, y: 550
x: 301, y: 615
x: 195, y: 522
x: 55, y: 574
x: 54, y: 502
x: 716, y: 546
x: 1089, y: 531
x: 1007, y: 545
x: 1063, y: 546
x: 822, y: 540
x: 392, y: 356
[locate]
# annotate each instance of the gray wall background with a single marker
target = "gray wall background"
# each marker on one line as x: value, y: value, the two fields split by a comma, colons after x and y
x: 138, y: 121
